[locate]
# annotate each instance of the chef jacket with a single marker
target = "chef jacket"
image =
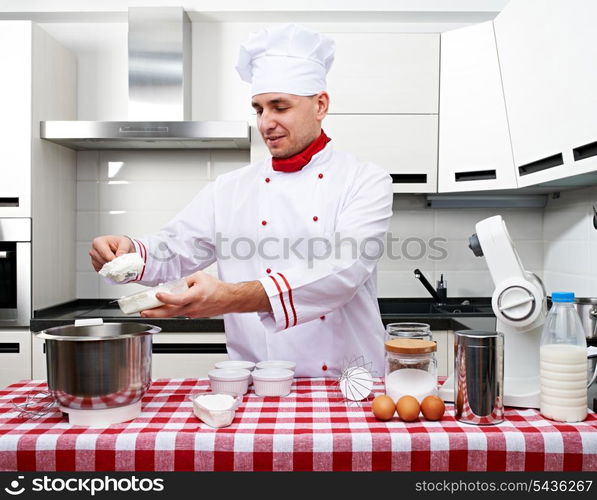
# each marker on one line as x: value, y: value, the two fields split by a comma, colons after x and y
x: 311, y: 237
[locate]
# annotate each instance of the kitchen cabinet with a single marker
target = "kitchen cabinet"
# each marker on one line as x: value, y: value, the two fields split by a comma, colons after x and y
x: 547, y: 51
x: 15, y: 355
x: 175, y: 355
x: 384, y: 73
x: 37, y: 178
x: 186, y: 355
x: 15, y: 126
x: 475, y: 152
x: 38, y: 80
x: 405, y: 145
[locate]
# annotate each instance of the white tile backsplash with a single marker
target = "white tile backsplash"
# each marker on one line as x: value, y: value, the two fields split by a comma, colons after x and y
x: 87, y: 196
x: 570, y: 246
x: 87, y: 225
x: 87, y: 165
x: 161, y: 166
x: 558, y: 243
x: 87, y: 285
x: 136, y: 223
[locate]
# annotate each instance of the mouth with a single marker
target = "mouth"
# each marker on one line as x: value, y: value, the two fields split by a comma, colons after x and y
x: 274, y: 140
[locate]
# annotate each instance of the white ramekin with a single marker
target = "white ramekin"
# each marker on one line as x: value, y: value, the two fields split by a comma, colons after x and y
x: 272, y: 381
x: 276, y: 363
x: 235, y: 363
x: 229, y: 380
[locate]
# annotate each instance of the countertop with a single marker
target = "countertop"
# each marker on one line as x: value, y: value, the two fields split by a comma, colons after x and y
x: 453, y: 316
x: 311, y: 429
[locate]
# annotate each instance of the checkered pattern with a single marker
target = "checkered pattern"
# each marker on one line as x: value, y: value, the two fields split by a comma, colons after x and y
x: 99, y: 402
x: 311, y: 429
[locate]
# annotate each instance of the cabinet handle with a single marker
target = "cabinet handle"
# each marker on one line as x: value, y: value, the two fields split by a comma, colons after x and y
x: 9, y: 202
x: 10, y: 348
x: 475, y: 175
x: 585, y: 151
x: 543, y: 164
x: 409, y: 178
x: 167, y: 348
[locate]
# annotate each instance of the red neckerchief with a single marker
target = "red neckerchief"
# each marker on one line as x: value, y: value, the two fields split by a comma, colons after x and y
x: 296, y: 162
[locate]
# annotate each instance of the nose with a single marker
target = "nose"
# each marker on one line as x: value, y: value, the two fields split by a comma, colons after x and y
x: 266, y: 122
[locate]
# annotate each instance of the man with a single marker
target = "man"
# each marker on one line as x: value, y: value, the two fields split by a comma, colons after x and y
x: 296, y: 237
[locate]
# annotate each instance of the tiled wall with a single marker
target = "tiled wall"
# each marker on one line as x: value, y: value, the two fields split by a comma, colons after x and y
x: 571, y: 243
x: 133, y: 192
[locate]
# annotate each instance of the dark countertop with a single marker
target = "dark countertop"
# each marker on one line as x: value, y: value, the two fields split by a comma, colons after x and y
x: 453, y: 316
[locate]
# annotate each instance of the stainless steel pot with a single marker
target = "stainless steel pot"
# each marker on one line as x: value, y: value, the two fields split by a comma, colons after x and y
x: 587, y: 310
x: 100, y: 366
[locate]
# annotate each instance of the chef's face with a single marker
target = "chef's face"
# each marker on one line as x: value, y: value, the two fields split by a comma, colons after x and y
x: 288, y: 123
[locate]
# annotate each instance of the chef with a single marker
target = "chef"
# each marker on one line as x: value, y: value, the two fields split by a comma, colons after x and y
x: 296, y: 236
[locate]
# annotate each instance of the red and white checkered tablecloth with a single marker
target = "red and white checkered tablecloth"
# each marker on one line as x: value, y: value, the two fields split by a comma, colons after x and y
x: 311, y: 429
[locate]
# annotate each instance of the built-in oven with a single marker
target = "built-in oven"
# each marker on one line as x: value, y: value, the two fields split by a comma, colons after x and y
x: 15, y: 272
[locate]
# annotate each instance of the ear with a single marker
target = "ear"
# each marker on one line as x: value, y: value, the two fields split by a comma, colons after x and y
x: 322, y: 101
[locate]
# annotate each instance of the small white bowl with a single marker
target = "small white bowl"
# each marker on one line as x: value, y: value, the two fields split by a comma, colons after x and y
x: 272, y: 381
x: 277, y: 363
x: 212, y: 417
x: 229, y: 380
x: 235, y: 363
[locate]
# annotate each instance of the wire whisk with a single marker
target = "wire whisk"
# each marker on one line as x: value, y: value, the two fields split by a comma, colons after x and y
x: 36, y: 405
x: 355, y: 382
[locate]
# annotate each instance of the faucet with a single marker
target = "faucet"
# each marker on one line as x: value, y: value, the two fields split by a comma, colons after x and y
x: 438, y: 295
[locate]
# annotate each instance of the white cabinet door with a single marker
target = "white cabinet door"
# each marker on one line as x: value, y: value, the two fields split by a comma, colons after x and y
x: 15, y: 125
x: 405, y: 145
x: 384, y: 73
x: 15, y: 355
x: 474, y: 142
x: 547, y: 51
x: 185, y: 355
x: 38, y: 358
x: 441, y: 338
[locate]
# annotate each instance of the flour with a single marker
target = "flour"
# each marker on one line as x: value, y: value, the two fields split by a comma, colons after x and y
x: 122, y: 268
x: 147, y: 299
x: 139, y: 302
x: 410, y: 382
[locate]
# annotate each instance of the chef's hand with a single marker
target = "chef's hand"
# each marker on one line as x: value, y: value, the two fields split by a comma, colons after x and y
x: 107, y: 248
x: 208, y: 296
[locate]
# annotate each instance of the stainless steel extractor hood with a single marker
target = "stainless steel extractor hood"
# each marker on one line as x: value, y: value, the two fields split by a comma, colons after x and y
x: 159, y: 70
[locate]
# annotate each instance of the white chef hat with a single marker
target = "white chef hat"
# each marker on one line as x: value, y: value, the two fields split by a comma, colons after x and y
x: 289, y: 58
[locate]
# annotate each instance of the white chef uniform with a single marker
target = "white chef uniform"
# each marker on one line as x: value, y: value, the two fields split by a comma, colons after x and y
x: 311, y: 237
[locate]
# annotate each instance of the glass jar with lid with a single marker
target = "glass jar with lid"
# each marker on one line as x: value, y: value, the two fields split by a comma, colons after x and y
x: 408, y: 330
x: 410, y: 368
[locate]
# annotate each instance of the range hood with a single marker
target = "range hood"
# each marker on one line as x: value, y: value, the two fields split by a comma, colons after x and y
x: 159, y: 71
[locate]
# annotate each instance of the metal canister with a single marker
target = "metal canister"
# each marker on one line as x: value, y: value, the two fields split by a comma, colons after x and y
x: 479, y: 377
x: 587, y: 310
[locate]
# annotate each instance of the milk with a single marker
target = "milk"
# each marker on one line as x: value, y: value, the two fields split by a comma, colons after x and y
x: 563, y: 372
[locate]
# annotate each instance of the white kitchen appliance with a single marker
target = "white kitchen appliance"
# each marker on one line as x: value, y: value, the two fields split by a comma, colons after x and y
x: 519, y: 303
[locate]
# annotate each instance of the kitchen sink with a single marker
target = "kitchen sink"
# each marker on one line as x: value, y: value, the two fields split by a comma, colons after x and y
x: 414, y: 307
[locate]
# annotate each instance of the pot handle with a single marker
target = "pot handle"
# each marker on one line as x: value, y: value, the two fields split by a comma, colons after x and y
x: 89, y: 322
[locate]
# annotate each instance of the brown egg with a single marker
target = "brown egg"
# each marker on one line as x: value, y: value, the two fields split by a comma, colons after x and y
x: 408, y: 408
x: 383, y: 407
x: 433, y: 408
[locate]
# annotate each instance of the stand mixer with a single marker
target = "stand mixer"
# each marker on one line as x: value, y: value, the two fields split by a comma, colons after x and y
x: 519, y: 303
